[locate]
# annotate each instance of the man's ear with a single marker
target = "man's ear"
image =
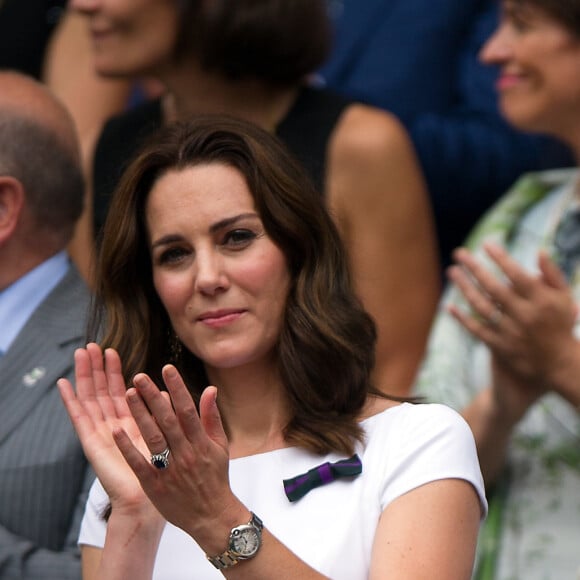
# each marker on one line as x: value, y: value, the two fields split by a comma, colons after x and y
x: 11, y: 205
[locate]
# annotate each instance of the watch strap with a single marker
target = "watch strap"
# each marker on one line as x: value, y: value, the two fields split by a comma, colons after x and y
x: 229, y: 558
x: 223, y: 561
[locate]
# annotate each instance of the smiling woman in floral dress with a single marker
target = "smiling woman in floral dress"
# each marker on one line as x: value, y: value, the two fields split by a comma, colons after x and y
x: 505, y: 348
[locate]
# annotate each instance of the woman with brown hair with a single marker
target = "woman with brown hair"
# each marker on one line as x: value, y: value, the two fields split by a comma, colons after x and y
x: 218, y: 256
x: 251, y: 59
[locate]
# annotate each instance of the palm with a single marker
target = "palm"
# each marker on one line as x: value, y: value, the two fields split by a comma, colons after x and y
x: 97, y: 410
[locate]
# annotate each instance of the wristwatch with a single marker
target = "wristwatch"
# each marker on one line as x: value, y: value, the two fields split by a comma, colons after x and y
x: 243, y: 544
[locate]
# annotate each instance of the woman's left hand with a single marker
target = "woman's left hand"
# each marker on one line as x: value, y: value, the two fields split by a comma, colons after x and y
x: 193, y: 491
x: 526, y: 319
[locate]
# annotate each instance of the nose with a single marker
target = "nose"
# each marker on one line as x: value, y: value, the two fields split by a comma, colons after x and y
x: 498, y: 47
x: 210, y: 275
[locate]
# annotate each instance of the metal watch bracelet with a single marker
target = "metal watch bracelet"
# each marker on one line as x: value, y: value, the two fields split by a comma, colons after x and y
x: 232, y: 556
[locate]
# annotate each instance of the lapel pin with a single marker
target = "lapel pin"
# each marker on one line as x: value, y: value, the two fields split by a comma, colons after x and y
x: 31, y: 378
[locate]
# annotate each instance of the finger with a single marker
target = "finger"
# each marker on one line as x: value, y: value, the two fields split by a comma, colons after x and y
x: 479, y: 301
x: 210, y: 417
x: 478, y: 329
x: 81, y: 420
x: 134, y: 458
x: 521, y: 280
x: 100, y: 381
x: 551, y: 272
x: 182, y: 403
x: 477, y: 275
x: 116, y: 382
x: 499, y: 292
x: 147, y: 424
x: 85, y: 385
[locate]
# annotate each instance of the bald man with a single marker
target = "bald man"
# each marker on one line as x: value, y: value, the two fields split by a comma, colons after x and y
x: 44, y: 475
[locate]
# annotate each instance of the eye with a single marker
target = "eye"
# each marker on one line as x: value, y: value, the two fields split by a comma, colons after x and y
x: 239, y: 238
x: 520, y: 24
x: 171, y: 255
x: 520, y: 19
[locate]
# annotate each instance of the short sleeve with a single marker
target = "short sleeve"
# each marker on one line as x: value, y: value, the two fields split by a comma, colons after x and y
x: 429, y: 442
x: 93, y: 525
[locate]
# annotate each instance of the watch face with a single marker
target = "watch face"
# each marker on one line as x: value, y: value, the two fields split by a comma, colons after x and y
x: 245, y: 541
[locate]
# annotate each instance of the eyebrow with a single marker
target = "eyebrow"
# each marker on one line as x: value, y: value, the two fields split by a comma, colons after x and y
x: 231, y: 221
x: 171, y: 238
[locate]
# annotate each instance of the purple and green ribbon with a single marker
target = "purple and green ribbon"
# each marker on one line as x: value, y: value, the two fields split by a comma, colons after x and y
x: 299, y: 486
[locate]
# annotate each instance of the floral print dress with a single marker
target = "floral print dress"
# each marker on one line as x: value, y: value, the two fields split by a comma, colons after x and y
x: 533, y: 528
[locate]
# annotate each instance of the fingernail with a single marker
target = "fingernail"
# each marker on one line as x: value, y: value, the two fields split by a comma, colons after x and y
x: 140, y: 380
x: 170, y: 371
x: 131, y: 394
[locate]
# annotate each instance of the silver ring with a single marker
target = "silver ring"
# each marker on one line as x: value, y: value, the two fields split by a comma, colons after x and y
x: 160, y: 460
x: 495, y: 317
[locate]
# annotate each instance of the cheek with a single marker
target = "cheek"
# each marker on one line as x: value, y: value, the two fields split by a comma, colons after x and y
x: 274, y: 288
x: 159, y: 49
x: 172, y: 291
x: 269, y: 275
x: 158, y: 31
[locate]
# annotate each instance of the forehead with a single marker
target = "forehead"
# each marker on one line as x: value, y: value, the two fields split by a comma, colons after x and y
x: 546, y: 9
x: 204, y: 190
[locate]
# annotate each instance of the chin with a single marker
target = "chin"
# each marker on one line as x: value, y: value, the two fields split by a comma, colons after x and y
x: 234, y: 359
x: 523, y: 118
x: 222, y: 358
x: 110, y: 72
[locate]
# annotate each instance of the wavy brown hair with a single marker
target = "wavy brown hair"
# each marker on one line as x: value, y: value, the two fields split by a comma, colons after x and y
x: 277, y: 41
x: 326, y: 346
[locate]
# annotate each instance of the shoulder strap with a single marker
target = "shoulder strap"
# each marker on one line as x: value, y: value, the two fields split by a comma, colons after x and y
x: 308, y: 126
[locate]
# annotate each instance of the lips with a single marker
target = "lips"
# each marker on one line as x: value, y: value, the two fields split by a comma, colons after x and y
x: 217, y: 318
x: 100, y: 33
x: 508, y: 80
x: 101, y: 30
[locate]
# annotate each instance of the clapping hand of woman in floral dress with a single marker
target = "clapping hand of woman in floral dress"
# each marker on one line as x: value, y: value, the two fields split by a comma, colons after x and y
x: 527, y: 321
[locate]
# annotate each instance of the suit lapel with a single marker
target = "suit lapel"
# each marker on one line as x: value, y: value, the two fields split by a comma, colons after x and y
x: 42, y: 352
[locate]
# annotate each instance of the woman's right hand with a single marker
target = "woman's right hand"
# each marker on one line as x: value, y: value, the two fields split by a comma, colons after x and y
x: 97, y: 409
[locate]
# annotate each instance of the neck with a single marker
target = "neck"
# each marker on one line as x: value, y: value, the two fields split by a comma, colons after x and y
x: 572, y: 141
x: 16, y: 261
x: 253, y: 406
x: 192, y: 91
x: 566, y: 131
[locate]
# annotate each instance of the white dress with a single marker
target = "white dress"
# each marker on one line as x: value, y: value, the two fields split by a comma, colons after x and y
x: 332, y: 527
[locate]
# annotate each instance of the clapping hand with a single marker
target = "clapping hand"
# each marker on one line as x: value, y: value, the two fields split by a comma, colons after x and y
x: 525, y: 319
x: 193, y: 490
x: 97, y: 409
x: 122, y: 430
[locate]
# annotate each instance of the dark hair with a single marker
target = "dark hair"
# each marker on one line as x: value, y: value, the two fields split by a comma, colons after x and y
x: 277, y: 41
x: 47, y: 169
x: 326, y: 347
x: 566, y: 12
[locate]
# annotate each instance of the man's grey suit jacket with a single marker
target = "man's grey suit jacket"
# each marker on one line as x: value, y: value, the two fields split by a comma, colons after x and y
x: 44, y: 476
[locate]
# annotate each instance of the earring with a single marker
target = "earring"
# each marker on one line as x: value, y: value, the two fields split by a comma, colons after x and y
x: 175, y: 347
